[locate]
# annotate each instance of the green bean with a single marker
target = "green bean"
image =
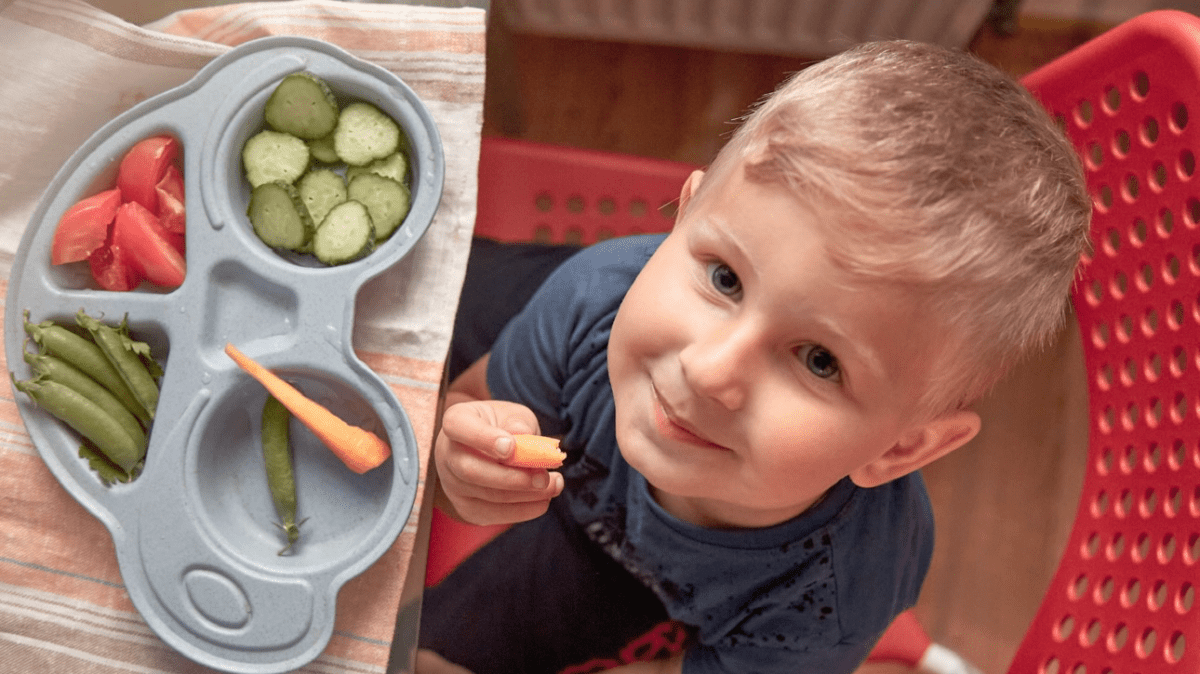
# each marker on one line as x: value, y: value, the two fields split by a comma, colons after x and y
x: 86, y: 417
x: 277, y: 454
x: 116, y: 346
x: 86, y: 356
x: 49, y: 368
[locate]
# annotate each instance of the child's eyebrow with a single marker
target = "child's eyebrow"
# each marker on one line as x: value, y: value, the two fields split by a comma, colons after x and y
x: 844, y: 344
x: 702, y: 225
x: 711, y: 228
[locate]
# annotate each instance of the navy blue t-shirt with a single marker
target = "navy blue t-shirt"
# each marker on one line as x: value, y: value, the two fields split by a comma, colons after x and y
x: 813, y: 593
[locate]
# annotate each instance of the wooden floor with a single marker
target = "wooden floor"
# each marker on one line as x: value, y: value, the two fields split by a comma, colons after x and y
x: 1005, y: 502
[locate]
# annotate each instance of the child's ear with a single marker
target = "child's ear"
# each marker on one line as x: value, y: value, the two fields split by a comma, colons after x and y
x: 919, y: 447
x: 689, y: 188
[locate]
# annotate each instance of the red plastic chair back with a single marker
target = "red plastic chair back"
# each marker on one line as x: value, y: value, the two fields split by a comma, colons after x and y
x: 549, y: 193
x: 1123, y: 598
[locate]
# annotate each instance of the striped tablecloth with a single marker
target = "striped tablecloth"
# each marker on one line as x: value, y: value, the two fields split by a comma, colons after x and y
x: 66, y: 69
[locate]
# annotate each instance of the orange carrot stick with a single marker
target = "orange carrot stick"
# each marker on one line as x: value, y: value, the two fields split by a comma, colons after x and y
x: 535, y: 451
x: 360, y: 449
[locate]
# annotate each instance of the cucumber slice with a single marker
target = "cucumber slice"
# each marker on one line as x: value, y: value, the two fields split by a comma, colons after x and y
x: 271, y: 156
x: 345, y: 235
x: 303, y: 106
x: 386, y: 200
x: 322, y: 150
x: 279, y: 216
x: 321, y: 190
x: 364, y: 133
x: 394, y: 166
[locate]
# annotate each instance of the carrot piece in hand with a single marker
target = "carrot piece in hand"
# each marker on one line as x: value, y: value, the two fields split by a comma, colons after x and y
x: 535, y: 451
x: 360, y: 449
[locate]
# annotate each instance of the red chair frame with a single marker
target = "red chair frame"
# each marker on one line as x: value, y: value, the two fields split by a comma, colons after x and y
x: 1122, y: 599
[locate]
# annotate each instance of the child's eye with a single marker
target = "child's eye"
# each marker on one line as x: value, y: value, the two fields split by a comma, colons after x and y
x: 820, y: 361
x: 724, y: 279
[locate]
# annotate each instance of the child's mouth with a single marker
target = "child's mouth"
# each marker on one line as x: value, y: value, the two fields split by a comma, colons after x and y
x: 671, y: 429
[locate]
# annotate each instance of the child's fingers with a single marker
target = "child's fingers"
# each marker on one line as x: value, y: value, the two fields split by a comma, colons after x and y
x: 507, y: 497
x: 475, y: 455
x: 486, y: 513
x: 488, y: 427
x: 483, y: 505
x: 485, y: 473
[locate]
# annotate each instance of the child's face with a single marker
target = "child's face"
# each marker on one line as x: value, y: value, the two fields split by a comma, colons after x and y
x: 750, y: 375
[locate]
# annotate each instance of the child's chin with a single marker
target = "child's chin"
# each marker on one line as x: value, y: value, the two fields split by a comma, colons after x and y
x: 640, y: 452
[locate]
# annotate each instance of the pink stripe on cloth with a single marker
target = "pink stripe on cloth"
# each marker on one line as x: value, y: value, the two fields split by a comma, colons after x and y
x: 103, y: 32
x: 373, y: 32
x: 64, y: 606
x: 236, y: 23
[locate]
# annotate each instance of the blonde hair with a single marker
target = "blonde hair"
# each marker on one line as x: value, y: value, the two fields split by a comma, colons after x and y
x: 944, y: 176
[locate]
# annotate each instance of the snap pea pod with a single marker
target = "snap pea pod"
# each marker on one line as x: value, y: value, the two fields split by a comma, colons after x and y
x: 108, y: 472
x: 87, y: 357
x: 277, y: 454
x: 50, y: 368
x: 86, y: 417
x: 119, y: 349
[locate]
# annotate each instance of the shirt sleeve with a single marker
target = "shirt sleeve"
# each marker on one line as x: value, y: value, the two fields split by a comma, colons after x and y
x: 563, y: 330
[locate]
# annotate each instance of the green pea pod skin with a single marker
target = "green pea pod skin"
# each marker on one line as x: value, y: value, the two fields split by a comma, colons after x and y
x: 108, y: 472
x: 86, y: 417
x: 86, y: 356
x: 277, y: 455
x: 49, y: 368
x: 114, y: 343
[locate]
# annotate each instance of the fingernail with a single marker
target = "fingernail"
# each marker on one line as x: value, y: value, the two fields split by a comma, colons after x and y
x: 541, y: 481
x: 504, y: 447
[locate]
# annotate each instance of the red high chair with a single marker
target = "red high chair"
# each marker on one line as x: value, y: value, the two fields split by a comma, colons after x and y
x: 535, y: 192
x: 1123, y: 597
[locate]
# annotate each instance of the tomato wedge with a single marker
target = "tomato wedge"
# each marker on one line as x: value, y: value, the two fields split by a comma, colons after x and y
x: 84, y: 227
x: 143, y: 166
x: 113, y: 269
x: 137, y: 232
x: 171, y: 211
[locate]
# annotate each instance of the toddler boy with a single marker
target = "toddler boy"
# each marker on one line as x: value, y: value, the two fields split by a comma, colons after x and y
x: 746, y: 401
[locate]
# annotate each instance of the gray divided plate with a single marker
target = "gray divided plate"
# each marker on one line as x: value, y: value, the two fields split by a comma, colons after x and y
x: 195, y: 533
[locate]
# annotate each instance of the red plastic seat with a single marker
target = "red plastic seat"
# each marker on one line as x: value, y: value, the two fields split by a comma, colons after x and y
x: 1123, y: 597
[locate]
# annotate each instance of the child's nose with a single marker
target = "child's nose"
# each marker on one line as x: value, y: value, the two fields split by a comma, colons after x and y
x: 718, y: 365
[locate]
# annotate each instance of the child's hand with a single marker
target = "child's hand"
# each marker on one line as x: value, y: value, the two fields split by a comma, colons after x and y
x: 475, y: 440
